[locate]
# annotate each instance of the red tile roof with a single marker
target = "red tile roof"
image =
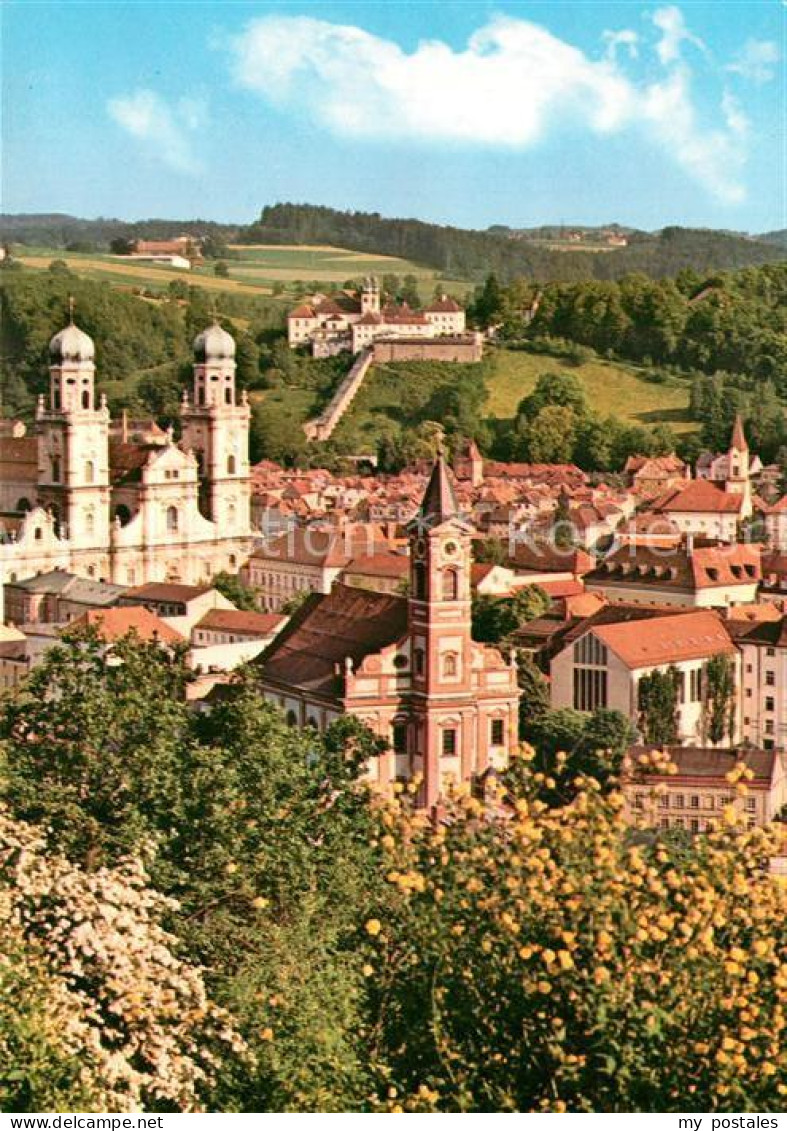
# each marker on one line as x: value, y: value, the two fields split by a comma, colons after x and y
x: 700, y: 496
x: 241, y: 621
x: 347, y: 623
x: 667, y: 639
x: 166, y: 591
x: 112, y: 624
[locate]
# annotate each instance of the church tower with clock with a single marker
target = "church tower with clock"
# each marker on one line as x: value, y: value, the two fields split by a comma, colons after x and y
x: 439, y: 616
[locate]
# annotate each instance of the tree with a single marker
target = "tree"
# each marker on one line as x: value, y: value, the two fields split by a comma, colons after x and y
x: 533, y: 690
x: 719, y: 699
x: 546, y: 961
x: 221, y: 269
x: 658, y: 706
x: 554, y: 389
x: 550, y: 436
x: 121, y: 1022
x: 294, y: 602
x: 231, y: 587
x: 496, y: 618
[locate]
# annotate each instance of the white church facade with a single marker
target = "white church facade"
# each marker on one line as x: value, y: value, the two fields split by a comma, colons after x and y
x: 72, y: 498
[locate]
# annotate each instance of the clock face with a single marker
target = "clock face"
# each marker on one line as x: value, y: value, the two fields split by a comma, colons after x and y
x: 419, y: 549
x: 450, y: 549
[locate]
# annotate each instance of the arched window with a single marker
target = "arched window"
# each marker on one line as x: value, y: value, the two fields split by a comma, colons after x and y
x: 312, y: 722
x: 90, y: 471
x: 450, y: 584
x: 23, y: 505
x: 90, y: 522
x: 38, y: 534
x: 228, y: 396
x: 292, y: 719
x: 123, y: 513
x: 172, y: 518
x: 55, y: 469
x: 450, y: 665
x: 85, y: 398
x: 418, y: 661
x: 231, y: 514
x: 231, y: 465
x: 419, y: 580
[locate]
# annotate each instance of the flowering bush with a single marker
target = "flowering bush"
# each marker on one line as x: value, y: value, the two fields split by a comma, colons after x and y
x: 554, y: 959
x: 104, y: 989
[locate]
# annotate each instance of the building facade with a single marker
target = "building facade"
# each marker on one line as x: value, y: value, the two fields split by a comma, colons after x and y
x: 406, y: 666
x: 129, y: 512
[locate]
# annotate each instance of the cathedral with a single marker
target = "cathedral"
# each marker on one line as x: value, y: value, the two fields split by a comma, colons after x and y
x: 74, y: 498
x: 406, y: 666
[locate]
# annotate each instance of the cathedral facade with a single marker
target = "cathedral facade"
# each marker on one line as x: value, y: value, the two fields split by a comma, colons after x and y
x: 73, y: 498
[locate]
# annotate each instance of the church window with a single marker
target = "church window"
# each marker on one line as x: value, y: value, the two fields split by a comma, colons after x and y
x: 497, y: 732
x: 450, y: 584
x: 418, y: 657
x: 231, y: 465
x: 38, y: 534
x: 419, y: 580
x: 450, y: 665
x: 172, y: 518
x: 90, y: 471
x: 123, y: 513
x: 55, y: 469
x: 449, y: 742
x: 23, y: 505
x: 90, y: 522
x: 85, y: 398
x: 228, y: 396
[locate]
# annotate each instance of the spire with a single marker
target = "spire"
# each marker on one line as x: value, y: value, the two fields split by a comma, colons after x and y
x: 739, y: 436
x: 439, y: 501
x: 71, y: 305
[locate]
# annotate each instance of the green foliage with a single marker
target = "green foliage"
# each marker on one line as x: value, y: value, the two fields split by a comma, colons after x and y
x: 496, y: 618
x: 459, y: 252
x: 231, y: 587
x: 658, y: 706
x: 570, y: 743
x: 719, y: 698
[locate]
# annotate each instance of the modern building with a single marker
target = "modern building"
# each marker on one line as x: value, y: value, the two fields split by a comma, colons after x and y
x: 603, y: 660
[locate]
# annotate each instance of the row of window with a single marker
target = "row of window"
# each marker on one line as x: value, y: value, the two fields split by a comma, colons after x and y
x: 694, y: 824
x: 693, y: 801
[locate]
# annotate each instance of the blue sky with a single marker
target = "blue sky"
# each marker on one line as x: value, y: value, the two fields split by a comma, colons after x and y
x: 466, y: 113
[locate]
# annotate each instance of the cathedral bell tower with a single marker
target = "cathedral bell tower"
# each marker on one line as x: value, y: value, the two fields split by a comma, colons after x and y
x: 738, y: 474
x: 73, y: 448
x: 216, y: 429
x: 370, y: 296
x: 440, y: 634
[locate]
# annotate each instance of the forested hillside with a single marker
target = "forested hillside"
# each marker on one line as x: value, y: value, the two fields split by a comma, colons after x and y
x: 457, y: 251
x: 143, y: 344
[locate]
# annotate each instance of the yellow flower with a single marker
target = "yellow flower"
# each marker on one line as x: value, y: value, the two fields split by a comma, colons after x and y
x: 373, y: 927
x: 266, y: 1034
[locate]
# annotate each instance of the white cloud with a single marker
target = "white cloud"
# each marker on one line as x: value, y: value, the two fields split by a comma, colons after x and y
x: 674, y: 33
x: 756, y: 60
x: 164, y: 128
x: 511, y: 84
x: 626, y: 38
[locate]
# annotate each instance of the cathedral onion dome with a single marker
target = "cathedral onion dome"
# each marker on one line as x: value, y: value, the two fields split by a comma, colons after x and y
x: 71, y: 344
x: 214, y: 344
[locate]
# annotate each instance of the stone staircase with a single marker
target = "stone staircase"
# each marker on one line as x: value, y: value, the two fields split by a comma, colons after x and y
x: 321, y: 427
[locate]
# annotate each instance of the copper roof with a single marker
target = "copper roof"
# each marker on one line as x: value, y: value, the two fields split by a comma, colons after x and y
x: 328, y: 629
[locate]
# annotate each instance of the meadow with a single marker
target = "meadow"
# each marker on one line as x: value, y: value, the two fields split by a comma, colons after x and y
x: 259, y: 269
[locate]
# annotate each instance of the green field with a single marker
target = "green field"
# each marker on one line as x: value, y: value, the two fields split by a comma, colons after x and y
x: 612, y: 389
x: 254, y: 269
x: 397, y: 397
